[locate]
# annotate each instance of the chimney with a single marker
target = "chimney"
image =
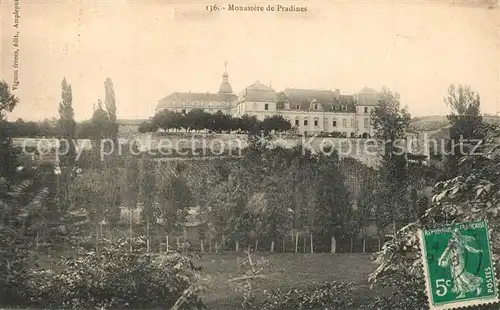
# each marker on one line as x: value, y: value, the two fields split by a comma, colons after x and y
x: 337, y: 94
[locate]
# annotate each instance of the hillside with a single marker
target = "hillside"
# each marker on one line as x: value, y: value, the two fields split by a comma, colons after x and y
x: 437, y: 126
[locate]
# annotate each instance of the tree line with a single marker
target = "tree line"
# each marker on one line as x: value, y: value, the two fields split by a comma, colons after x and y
x: 198, y: 120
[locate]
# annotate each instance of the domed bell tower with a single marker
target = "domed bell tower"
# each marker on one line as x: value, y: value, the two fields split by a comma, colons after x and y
x: 225, y: 87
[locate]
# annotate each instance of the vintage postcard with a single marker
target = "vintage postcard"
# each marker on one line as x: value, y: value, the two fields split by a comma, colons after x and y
x: 249, y: 154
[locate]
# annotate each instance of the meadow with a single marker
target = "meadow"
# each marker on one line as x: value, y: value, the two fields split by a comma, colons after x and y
x: 285, y: 271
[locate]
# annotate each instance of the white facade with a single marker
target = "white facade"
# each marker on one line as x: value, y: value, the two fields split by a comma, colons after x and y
x: 309, y: 110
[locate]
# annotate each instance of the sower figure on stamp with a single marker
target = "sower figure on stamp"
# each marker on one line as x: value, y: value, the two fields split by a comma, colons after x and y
x: 464, y: 281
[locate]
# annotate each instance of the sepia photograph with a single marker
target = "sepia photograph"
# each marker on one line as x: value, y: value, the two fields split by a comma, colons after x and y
x: 259, y: 155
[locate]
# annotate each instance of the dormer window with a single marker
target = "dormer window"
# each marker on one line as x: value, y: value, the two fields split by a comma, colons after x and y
x: 366, y: 109
x: 297, y: 107
x: 344, y: 108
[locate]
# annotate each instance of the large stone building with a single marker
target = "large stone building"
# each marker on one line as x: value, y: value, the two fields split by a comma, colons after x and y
x: 309, y: 110
x: 222, y: 101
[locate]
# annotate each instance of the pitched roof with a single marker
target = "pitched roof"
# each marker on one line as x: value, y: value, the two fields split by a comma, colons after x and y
x: 309, y: 94
x: 259, y: 92
x: 367, y: 90
x: 222, y: 98
x: 327, y: 100
x: 368, y: 97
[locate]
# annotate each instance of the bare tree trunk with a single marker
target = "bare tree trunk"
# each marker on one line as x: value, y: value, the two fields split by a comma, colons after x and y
x: 352, y: 245
x: 97, y: 238
x: 36, y: 239
x: 334, y: 245
x: 210, y: 244
x: 256, y: 244
x: 297, y: 241
x: 201, y: 246
x: 272, y: 246
x: 237, y: 246
x: 178, y: 243
x: 167, y: 244
x: 216, y: 247
x: 304, y: 238
x: 379, y: 243
x: 148, y: 244
x: 312, y: 245
x: 364, y: 240
x: 131, y: 230
x: 284, y: 244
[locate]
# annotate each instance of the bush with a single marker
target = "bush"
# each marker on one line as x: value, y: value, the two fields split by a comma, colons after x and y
x: 329, y: 295
x: 116, y: 278
x: 16, y: 259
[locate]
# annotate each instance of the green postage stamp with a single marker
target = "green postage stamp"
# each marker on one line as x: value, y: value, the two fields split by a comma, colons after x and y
x: 458, y: 266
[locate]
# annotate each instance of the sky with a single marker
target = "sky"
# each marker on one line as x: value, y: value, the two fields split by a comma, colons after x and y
x: 151, y: 48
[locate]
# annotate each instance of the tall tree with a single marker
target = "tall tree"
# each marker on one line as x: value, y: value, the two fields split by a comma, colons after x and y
x: 390, y: 121
x: 172, y: 197
x: 147, y: 195
x: 110, y: 103
x: 329, y: 216
x: 67, y: 124
x: 132, y: 191
x: 467, y: 125
x: 99, y: 124
x: 7, y: 156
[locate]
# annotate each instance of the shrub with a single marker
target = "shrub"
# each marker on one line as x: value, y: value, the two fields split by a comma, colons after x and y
x: 116, y: 278
x: 329, y: 295
x: 15, y: 260
x: 23, y: 202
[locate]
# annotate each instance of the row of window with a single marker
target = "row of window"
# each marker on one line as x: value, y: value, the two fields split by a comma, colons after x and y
x: 353, y: 123
x: 198, y: 103
x: 316, y: 106
x: 184, y: 111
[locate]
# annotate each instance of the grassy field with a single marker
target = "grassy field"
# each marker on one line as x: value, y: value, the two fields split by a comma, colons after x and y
x: 287, y: 270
